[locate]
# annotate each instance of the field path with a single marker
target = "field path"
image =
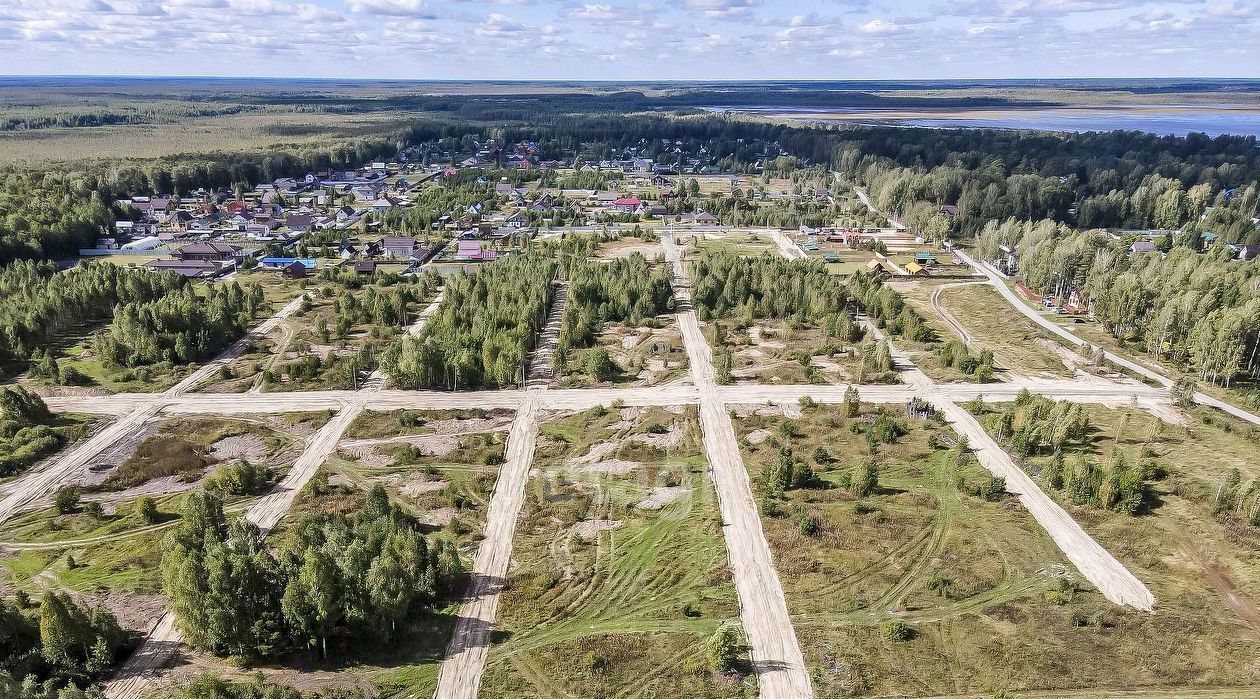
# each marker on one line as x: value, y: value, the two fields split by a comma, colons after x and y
x: 777, y: 658
x: 460, y: 675
x: 999, y: 283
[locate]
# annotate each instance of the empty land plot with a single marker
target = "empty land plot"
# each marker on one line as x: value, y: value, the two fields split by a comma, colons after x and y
x: 987, y: 601
x: 650, y: 354
x: 179, y: 453
x: 332, y: 342
x: 745, y: 244
x: 771, y: 351
x: 1018, y: 346
x: 926, y: 356
x: 1193, y: 544
x: 625, y: 246
x: 620, y: 573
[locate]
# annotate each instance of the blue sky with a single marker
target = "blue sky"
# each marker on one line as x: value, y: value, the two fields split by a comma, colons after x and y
x: 632, y: 39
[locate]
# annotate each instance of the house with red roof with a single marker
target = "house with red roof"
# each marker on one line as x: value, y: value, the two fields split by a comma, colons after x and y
x: 627, y: 205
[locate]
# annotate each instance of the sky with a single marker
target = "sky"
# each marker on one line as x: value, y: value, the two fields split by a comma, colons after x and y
x: 632, y: 39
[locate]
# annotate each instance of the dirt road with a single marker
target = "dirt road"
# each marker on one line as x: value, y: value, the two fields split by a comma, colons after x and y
x: 777, y: 658
x: 999, y: 283
x: 948, y: 317
x: 1098, y: 566
x: 460, y: 675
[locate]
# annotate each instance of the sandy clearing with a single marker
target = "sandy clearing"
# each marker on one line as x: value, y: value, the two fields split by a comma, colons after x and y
x: 247, y: 447
x: 661, y: 496
x: 591, y: 528
x: 616, y: 467
x: 439, y: 517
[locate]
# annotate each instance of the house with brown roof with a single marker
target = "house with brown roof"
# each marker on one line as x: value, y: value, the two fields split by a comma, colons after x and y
x: 208, y: 251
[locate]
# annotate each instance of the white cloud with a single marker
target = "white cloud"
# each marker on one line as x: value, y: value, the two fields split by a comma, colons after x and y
x: 391, y: 8
x: 880, y: 26
x: 720, y: 8
x: 593, y: 13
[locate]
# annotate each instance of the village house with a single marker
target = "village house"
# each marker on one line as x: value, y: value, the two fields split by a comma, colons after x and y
x: 398, y: 247
x: 208, y: 251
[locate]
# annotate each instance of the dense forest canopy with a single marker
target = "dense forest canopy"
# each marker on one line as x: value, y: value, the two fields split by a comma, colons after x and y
x: 483, y: 330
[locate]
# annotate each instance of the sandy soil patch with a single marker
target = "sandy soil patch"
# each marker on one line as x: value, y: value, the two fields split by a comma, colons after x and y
x: 666, y: 439
x: 440, y: 517
x: 616, y: 467
x: 759, y: 336
x: 592, y: 527
x: 246, y: 447
x: 596, y: 452
x: 758, y: 436
x: 621, y: 249
x: 418, y: 487
x: 134, y: 612
x: 477, y: 424
x: 661, y: 496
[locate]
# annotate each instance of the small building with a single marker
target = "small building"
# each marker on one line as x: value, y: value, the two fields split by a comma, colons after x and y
x: 473, y: 251
x: 627, y: 205
x: 915, y: 269
x: 925, y: 258
x: 294, y: 270
x: 398, y: 247
x: 1141, y: 247
x: 193, y: 269
x: 207, y: 250
x: 876, y: 267
x: 706, y: 218
x: 364, y: 267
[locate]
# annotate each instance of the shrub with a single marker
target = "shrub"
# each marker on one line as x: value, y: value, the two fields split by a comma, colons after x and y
x: 67, y: 500
x: 897, y: 631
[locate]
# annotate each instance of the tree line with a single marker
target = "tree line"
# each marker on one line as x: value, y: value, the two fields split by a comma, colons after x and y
x: 27, y: 431
x: 181, y: 327
x: 42, y: 303
x: 336, y: 578
x: 483, y: 330
x: 57, y: 649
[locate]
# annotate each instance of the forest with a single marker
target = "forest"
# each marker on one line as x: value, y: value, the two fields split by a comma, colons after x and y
x: 338, y: 578
x: 181, y: 327
x: 483, y: 330
x: 27, y: 430
x: 40, y: 304
x: 1198, y: 311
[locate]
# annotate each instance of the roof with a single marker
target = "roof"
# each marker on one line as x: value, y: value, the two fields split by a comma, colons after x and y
x: 914, y: 268
x: 208, y: 247
x: 924, y: 256
x: 628, y: 201
x: 397, y: 241
x: 874, y: 264
x: 307, y: 262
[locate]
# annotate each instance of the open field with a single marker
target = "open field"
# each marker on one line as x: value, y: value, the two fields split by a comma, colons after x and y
x: 990, y: 603
x: 1199, y: 536
x: 621, y: 573
x: 1018, y: 346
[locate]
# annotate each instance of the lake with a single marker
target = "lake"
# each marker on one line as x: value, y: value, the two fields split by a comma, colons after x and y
x: 1172, y: 120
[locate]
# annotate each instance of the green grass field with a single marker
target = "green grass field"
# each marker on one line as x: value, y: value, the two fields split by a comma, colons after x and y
x: 991, y: 604
x: 611, y: 596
